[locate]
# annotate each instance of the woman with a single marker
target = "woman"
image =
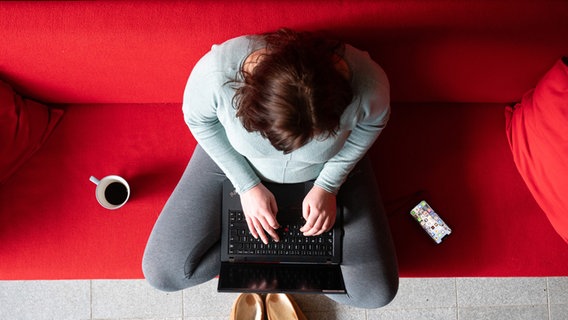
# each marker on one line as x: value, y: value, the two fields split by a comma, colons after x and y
x: 284, y: 107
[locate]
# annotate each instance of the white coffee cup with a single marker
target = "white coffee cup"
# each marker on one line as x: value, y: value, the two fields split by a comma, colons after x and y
x: 112, y: 191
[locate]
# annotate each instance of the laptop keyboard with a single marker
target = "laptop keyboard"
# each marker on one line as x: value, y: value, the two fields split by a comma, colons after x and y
x: 292, y: 241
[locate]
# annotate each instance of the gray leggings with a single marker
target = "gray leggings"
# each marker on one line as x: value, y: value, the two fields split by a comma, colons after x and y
x: 184, y: 247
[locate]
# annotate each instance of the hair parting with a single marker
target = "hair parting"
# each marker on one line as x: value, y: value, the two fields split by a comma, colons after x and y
x: 295, y: 92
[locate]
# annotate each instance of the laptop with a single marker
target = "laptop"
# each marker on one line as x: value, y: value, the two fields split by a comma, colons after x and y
x: 295, y: 264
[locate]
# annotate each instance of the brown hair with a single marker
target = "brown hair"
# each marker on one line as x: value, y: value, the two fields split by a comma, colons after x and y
x: 295, y: 92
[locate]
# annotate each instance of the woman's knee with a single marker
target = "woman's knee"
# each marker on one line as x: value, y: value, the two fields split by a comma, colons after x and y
x: 387, y: 294
x: 381, y: 295
x: 172, y: 272
x: 160, y: 276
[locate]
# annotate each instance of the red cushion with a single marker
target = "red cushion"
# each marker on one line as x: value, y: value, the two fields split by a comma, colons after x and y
x: 24, y: 127
x: 99, y: 52
x: 537, y: 129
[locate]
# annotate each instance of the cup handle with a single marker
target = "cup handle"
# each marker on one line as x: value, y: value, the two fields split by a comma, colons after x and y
x: 94, y: 180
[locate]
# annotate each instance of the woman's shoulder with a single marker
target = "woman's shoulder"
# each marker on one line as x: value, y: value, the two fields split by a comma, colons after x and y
x: 227, y: 57
x: 363, y: 68
x: 371, y: 88
x: 236, y: 45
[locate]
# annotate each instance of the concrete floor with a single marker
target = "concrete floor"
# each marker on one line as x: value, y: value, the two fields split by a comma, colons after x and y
x: 423, y: 298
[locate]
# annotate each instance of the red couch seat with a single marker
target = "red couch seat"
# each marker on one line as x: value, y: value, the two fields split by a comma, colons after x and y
x: 118, y: 69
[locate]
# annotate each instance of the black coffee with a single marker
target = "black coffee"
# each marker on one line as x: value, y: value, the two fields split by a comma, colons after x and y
x: 116, y: 193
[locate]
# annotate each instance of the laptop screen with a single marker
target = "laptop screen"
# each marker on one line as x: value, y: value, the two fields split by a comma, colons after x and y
x: 293, y: 278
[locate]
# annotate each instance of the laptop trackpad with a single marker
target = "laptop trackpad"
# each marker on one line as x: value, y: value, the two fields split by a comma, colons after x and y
x: 290, y: 278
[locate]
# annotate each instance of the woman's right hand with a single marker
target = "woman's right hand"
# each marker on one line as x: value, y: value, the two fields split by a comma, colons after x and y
x: 259, y: 207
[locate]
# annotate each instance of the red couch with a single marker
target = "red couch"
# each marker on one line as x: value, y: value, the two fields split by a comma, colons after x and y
x: 117, y: 70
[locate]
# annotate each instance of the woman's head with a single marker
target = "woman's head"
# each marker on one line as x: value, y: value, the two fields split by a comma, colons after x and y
x: 296, y: 90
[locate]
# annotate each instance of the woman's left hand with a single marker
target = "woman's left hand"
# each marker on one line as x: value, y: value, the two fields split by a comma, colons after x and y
x: 319, y: 209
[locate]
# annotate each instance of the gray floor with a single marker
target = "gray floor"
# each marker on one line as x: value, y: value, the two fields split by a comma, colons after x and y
x: 428, y: 298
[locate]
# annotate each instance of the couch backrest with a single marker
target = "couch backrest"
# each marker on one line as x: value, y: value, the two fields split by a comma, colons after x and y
x: 143, y: 51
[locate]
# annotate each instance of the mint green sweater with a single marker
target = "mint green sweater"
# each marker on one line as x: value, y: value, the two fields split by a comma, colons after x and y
x: 247, y: 158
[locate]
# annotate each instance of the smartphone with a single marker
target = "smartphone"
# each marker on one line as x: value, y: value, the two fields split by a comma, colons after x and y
x: 434, y: 226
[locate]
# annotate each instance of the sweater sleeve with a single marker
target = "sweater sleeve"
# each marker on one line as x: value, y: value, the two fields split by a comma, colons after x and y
x: 371, y: 118
x: 202, y: 98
